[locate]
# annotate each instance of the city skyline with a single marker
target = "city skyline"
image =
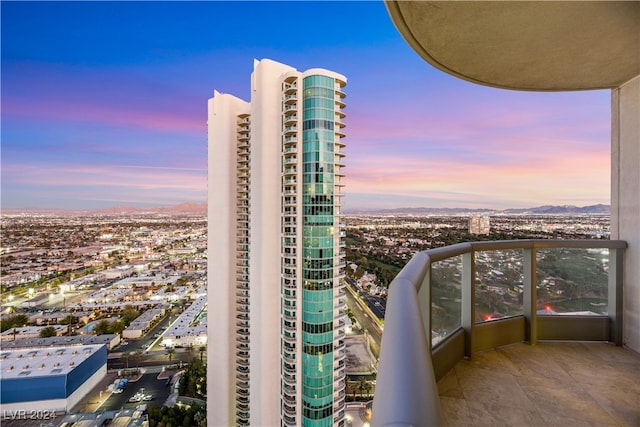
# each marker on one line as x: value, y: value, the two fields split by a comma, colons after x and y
x: 120, y: 118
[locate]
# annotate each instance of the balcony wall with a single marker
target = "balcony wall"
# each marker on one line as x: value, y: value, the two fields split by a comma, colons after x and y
x: 415, y: 354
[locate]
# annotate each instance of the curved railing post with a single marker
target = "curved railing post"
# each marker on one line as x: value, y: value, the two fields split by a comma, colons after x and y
x: 529, y: 295
x: 405, y: 367
x: 468, y: 314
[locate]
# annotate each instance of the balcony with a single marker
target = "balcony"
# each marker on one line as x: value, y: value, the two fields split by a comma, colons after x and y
x: 290, y: 119
x: 551, y: 381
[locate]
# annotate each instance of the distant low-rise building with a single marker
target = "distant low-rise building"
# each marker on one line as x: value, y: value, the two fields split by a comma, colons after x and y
x: 144, y: 322
x: 26, y: 332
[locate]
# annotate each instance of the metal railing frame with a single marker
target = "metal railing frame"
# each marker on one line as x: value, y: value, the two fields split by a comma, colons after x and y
x: 406, y: 389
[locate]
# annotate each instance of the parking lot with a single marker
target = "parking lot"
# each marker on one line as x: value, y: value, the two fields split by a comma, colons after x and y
x: 148, y: 385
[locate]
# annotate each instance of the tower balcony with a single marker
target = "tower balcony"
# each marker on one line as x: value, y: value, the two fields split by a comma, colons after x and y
x: 290, y: 88
x: 290, y: 160
x: 290, y: 99
x: 436, y: 336
x: 244, y: 121
x: 290, y: 411
x: 289, y: 328
x: 290, y: 130
x: 290, y: 381
x: 289, y: 421
x: 290, y: 285
x: 290, y: 360
x: 340, y: 103
x: 290, y: 119
x: 289, y: 180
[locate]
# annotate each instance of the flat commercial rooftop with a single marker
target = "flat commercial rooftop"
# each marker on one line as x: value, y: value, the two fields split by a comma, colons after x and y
x: 43, y: 361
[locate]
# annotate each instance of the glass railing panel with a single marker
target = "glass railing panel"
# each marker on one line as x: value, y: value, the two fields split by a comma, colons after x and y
x: 498, y: 284
x: 572, y: 281
x: 446, y: 294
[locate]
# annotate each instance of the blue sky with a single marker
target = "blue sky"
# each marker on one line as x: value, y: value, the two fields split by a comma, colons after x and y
x: 104, y: 104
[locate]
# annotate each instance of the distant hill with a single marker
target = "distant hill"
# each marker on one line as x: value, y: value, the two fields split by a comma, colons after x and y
x: 191, y: 208
x: 565, y: 209
x: 187, y: 208
x: 540, y: 210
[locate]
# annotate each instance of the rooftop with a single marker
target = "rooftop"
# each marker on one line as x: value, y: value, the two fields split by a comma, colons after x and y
x: 44, y: 361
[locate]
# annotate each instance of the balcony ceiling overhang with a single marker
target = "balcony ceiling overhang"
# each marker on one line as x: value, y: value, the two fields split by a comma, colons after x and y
x: 536, y: 45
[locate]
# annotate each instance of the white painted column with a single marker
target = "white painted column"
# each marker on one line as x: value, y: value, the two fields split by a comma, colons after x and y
x: 625, y: 198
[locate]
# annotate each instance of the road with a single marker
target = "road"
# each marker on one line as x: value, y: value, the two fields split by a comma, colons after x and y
x: 151, y: 358
x: 363, y: 316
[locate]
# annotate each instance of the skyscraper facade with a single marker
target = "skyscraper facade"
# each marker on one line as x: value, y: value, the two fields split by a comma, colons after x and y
x: 276, y: 349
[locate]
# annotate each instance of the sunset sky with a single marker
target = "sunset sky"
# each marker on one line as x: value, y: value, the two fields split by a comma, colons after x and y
x: 105, y: 104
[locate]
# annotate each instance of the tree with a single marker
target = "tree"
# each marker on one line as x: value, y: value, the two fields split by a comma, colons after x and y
x: 69, y: 320
x: 125, y: 357
x: 14, y: 321
x: 170, y: 352
x: 118, y: 326
x: 136, y: 356
x: 193, y: 381
x: 202, y: 349
x: 129, y: 314
x: 364, y: 386
x: 367, y: 387
x: 102, y: 327
x: 49, y: 331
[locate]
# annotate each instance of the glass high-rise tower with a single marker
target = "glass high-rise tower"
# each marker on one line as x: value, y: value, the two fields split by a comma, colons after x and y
x: 276, y: 252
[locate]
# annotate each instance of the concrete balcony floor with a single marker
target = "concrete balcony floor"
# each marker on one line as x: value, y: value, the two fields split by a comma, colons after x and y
x: 549, y: 384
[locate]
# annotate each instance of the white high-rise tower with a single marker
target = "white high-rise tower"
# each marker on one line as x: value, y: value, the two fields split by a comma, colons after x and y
x: 276, y: 349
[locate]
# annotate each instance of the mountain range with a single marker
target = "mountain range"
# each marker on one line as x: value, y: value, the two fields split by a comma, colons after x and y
x: 539, y: 210
x: 191, y: 208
